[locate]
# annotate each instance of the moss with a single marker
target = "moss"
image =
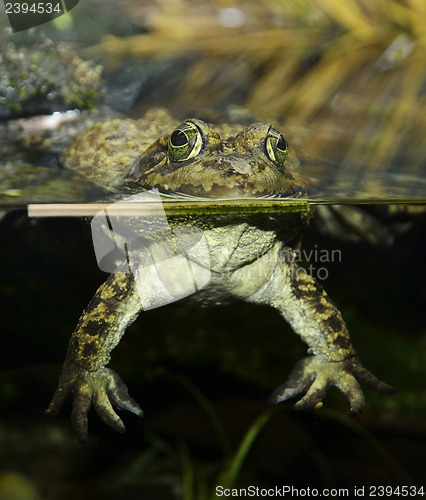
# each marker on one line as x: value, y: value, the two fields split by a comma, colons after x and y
x: 46, y: 78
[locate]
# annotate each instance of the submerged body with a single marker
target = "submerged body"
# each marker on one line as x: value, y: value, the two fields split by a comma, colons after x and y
x: 249, y: 257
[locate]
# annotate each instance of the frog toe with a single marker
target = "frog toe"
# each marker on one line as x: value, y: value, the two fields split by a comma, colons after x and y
x: 314, y: 396
x: 126, y: 402
x: 298, y: 381
x: 118, y: 395
x: 106, y: 413
x: 370, y: 380
x: 81, y: 406
x: 58, y: 399
x: 350, y: 387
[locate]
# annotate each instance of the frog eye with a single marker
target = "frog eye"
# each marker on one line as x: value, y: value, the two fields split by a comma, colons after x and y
x: 185, y: 142
x: 276, y: 147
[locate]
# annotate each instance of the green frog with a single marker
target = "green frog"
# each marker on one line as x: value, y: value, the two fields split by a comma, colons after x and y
x: 250, y: 257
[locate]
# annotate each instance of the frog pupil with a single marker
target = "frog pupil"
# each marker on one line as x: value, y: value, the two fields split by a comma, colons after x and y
x: 178, y: 138
x: 281, y: 144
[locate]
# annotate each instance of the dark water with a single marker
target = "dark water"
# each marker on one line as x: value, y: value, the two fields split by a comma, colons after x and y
x: 235, y: 355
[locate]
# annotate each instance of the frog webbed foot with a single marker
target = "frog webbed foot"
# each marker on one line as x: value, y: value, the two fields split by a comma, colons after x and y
x: 102, y: 388
x: 316, y: 375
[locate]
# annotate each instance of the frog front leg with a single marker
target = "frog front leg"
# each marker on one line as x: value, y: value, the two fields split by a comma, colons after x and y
x: 311, y: 313
x: 115, y: 305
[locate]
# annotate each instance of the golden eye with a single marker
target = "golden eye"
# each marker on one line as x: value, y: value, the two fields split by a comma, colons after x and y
x: 185, y: 142
x: 276, y: 147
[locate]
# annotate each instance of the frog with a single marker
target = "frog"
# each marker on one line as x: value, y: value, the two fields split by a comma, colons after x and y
x: 252, y: 257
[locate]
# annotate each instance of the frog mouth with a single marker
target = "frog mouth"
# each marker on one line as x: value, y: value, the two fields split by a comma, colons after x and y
x: 234, y: 191
x: 224, y: 178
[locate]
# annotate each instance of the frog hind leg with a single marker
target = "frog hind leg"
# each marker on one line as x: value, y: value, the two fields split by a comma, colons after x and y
x: 313, y: 316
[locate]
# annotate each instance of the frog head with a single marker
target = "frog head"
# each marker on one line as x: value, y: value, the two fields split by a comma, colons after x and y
x: 195, y: 160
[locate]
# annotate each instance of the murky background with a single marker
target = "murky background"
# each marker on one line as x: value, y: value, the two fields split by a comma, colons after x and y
x: 345, y: 83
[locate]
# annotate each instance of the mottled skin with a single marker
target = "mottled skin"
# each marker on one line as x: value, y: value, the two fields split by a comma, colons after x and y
x: 251, y: 258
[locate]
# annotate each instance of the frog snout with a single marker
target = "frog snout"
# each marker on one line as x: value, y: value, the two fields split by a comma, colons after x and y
x: 234, y: 165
